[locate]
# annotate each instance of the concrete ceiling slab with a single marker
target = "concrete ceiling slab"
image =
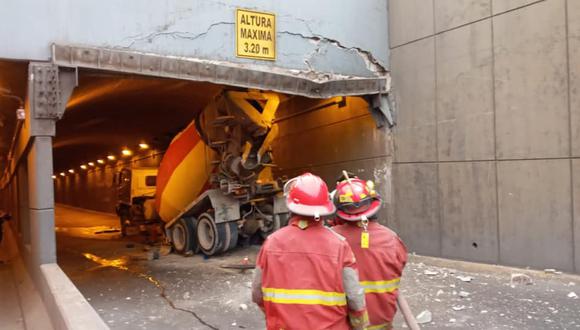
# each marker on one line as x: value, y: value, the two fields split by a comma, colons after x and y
x: 110, y: 111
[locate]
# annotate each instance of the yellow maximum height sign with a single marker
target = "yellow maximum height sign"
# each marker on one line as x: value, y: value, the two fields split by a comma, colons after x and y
x: 255, y: 35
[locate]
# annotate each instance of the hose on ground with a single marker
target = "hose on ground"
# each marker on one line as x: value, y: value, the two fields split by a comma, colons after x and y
x: 407, y: 314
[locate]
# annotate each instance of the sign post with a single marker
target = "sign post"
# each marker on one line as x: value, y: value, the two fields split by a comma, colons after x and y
x: 255, y: 35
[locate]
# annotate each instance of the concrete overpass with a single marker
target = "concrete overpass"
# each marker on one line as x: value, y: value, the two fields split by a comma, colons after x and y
x: 485, y: 155
x: 88, y: 80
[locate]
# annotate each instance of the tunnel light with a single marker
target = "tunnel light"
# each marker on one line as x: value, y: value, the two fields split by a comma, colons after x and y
x: 126, y: 152
x: 143, y: 146
x: 111, y: 157
x: 62, y: 174
x: 54, y: 177
x: 71, y: 171
x: 84, y: 167
x: 91, y: 164
x: 100, y: 161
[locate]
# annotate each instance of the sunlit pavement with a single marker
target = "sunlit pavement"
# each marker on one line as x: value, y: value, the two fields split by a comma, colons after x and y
x: 129, y: 289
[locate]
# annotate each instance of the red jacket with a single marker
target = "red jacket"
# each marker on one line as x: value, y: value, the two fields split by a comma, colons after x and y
x: 300, y: 279
x: 380, y: 267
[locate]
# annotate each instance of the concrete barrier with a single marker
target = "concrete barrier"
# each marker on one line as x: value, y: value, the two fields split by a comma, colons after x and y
x: 47, y: 294
x: 67, y: 307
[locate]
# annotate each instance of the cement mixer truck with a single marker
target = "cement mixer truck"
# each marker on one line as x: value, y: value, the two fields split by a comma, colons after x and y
x: 214, y: 183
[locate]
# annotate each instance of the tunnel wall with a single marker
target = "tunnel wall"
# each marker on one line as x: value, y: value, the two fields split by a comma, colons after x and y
x: 94, y: 189
x: 487, y: 145
x: 311, y: 35
x: 331, y: 139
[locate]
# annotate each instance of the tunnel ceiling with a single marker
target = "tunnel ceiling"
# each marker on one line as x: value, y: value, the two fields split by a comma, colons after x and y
x: 109, y: 111
x: 12, y: 90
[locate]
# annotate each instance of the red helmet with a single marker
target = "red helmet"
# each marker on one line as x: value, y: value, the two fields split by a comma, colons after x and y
x: 308, y: 195
x: 355, y: 198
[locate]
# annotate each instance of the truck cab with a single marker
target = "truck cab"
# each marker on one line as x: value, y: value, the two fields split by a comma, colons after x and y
x: 136, y: 196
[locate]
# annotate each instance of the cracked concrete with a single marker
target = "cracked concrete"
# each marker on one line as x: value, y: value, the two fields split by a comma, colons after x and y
x: 317, y: 41
x: 326, y: 38
x: 316, y: 49
x: 372, y: 63
x: 150, y: 38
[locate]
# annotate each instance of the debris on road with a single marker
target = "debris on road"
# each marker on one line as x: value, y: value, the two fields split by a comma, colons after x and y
x: 430, y: 273
x: 424, y: 317
x: 572, y: 295
x: 463, y: 294
x: 552, y: 271
x: 519, y: 278
x: 239, y: 266
x: 465, y: 278
x: 243, y: 307
x: 108, y: 231
x: 458, y: 308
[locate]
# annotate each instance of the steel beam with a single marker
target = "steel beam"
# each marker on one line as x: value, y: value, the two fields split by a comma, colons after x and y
x: 218, y: 72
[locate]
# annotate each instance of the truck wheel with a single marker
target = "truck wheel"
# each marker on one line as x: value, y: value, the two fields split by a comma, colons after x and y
x: 183, y: 236
x: 231, y: 229
x: 274, y: 221
x: 215, y: 238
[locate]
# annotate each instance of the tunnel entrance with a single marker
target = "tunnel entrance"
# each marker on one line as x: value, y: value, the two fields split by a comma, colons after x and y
x: 119, y: 121
x: 116, y: 124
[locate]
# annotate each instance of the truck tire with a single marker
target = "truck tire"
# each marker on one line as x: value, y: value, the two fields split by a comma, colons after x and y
x: 278, y: 220
x: 183, y: 236
x: 215, y: 238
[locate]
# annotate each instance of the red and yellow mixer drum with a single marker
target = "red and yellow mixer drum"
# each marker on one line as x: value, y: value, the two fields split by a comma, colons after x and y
x: 183, y: 174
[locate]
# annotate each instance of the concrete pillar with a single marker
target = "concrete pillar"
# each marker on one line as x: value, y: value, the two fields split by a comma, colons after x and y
x: 41, y: 201
x: 49, y: 88
x: 20, y: 185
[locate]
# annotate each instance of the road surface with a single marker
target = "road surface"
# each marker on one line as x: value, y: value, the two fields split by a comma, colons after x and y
x: 130, y: 290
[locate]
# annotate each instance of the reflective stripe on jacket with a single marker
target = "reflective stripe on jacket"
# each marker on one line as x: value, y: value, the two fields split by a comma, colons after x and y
x: 306, y: 279
x: 380, y: 268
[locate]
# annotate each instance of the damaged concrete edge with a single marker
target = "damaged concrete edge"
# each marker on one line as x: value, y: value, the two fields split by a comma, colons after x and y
x: 372, y: 63
x: 296, y: 82
x: 67, y: 307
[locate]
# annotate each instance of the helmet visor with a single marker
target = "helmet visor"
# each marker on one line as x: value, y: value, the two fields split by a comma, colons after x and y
x: 289, y: 185
x: 356, y: 208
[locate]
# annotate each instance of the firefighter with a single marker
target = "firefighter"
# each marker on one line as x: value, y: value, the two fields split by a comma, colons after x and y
x: 306, y: 275
x: 380, y: 253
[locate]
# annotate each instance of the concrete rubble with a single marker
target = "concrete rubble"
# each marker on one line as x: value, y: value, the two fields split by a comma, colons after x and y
x: 519, y: 278
x: 424, y: 317
x: 441, y: 293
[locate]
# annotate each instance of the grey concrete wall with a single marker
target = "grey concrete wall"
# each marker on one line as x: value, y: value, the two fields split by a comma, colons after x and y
x: 331, y: 139
x: 311, y: 35
x: 486, y: 162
